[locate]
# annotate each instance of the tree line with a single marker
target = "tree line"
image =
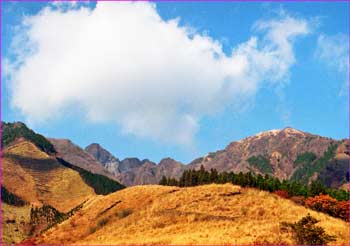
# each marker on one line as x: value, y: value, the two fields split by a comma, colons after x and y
x: 315, y: 196
x: 266, y: 182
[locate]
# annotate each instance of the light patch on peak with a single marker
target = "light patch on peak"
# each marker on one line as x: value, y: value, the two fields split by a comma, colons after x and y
x: 292, y: 131
x: 272, y: 132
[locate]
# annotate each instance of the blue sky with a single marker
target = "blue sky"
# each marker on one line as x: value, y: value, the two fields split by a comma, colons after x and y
x: 299, y: 82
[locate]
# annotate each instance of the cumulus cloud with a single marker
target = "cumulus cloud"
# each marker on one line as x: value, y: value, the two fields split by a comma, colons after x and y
x: 333, y: 50
x: 122, y: 63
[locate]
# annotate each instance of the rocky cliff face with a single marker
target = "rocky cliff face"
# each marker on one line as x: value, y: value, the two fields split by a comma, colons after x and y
x: 109, y: 162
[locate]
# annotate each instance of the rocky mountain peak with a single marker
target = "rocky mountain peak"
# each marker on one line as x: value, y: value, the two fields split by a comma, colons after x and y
x: 101, y: 154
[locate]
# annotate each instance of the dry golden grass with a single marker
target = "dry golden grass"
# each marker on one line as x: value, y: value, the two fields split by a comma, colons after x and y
x: 14, y: 220
x: 210, y: 214
x: 14, y: 178
x: 38, y: 178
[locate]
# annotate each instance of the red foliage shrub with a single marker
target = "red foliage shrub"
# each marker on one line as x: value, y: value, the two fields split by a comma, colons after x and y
x: 342, y: 210
x: 282, y: 193
x: 322, y: 203
x: 329, y: 205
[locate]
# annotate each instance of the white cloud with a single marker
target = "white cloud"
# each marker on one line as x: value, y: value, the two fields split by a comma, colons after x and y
x: 70, y: 4
x: 334, y: 51
x: 120, y: 62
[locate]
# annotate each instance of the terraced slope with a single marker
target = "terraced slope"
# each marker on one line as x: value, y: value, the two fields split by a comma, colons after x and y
x: 210, y: 214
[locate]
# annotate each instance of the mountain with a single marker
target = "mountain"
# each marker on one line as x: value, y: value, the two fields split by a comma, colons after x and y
x: 109, y: 162
x: 73, y: 154
x: 132, y: 171
x: 148, y: 172
x: 38, y: 188
x: 165, y: 215
x: 285, y: 154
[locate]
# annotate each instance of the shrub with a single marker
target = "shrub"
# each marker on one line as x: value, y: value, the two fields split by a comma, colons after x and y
x: 102, y: 222
x: 322, y: 203
x: 282, y: 193
x: 342, y: 210
x: 306, y: 232
x: 300, y: 200
x: 124, y: 213
x: 92, y: 229
x: 329, y: 205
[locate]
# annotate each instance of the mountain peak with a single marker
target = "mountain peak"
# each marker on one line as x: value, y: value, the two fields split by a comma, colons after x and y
x: 272, y: 132
x: 287, y: 131
x: 101, y: 154
x: 95, y: 145
x: 290, y: 130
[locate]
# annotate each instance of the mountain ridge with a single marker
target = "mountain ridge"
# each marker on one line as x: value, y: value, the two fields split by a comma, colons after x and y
x: 272, y: 152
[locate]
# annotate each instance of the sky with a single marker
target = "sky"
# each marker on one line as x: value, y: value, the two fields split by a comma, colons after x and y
x: 179, y: 80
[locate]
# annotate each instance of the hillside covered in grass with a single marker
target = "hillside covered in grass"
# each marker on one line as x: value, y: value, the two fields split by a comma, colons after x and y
x: 33, y: 180
x: 208, y: 214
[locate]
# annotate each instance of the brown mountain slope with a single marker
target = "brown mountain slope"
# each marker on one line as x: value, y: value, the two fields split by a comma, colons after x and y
x: 109, y: 162
x: 285, y: 154
x: 336, y: 172
x: 272, y: 152
x: 210, y: 214
x: 76, y: 156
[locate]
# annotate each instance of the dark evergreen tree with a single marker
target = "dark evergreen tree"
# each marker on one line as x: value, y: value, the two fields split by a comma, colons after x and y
x: 163, y: 181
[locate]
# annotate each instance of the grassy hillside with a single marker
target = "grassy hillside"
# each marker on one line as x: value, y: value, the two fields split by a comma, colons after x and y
x: 33, y: 178
x: 38, y: 178
x: 14, y: 223
x: 11, y: 199
x: 208, y: 214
